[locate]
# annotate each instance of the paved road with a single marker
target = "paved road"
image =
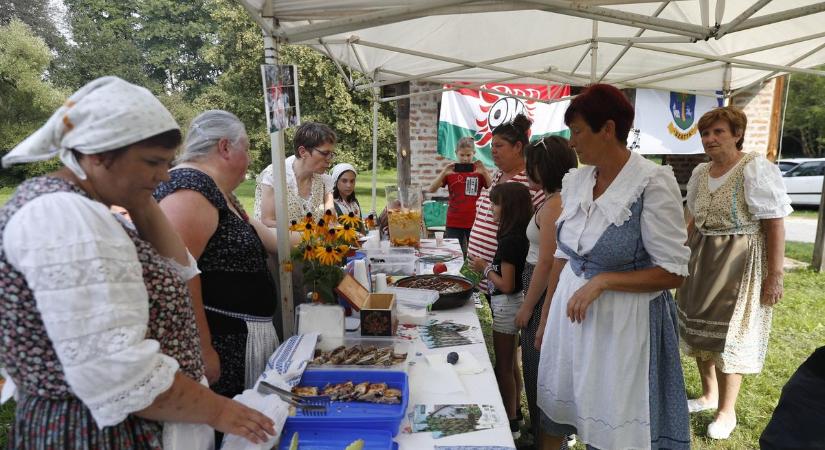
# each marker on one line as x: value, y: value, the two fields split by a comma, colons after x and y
x: 800, y: 229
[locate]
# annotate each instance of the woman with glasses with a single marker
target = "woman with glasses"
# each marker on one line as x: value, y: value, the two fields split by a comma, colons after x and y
x: 309, y: 189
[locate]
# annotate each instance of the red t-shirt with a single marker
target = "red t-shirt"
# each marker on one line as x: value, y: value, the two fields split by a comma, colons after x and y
x: 464, y: 187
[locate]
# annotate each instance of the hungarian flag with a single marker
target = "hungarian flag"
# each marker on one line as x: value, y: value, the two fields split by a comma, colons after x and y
x: 475, y: 113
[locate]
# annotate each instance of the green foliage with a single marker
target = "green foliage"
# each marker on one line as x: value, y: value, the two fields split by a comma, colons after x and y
x: 324, y: 96
x: 805, y: 114
x: 26, y: 100
x: 38, y: 15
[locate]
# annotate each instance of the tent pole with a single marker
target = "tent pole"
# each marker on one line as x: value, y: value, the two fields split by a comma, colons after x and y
x: 774, y: 73
x: 704, y: 12
x: 726, y: 28
x: 281, y: 219
x: 726, y: 59
x: 360, y: 87
x: 630, y: 44
x: 726, y: 92
x: 461, y: 61
x: 781, y: 16
x: 730, y: 55
x: 594, y: 52
x: 375, y: 94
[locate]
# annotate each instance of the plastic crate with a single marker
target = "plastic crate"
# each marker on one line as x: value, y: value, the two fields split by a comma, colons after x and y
x: 311, y: 437
x: 356, y: 415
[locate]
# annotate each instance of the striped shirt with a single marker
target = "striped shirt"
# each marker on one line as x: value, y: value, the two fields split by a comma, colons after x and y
x: 483, y: 242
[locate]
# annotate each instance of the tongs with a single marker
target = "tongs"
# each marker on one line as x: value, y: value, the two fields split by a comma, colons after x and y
x: 310, y: 405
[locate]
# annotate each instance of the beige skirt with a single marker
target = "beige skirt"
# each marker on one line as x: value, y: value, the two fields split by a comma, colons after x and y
x: 721, y: 317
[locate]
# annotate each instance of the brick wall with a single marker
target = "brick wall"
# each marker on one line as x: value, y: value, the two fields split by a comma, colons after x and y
x: 426, y: 163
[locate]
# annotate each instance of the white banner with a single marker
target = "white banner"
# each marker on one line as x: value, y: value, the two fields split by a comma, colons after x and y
x: 667, y: 121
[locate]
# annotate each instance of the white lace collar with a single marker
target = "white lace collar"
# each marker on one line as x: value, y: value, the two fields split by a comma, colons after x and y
x: 615, y: 202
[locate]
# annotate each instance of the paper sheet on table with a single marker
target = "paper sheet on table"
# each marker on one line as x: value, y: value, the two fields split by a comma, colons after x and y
x: 448, y: 381
x: 467, y: 363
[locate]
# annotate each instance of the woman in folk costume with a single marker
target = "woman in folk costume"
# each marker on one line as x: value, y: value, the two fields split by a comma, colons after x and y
x: 238, y: 292
x: 737, y: 203
x: 96, y: 321
x: 609, y: 370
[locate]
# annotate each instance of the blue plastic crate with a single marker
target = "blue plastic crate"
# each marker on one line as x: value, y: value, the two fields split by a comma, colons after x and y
x: 356, y: 415
x: 311, y: 437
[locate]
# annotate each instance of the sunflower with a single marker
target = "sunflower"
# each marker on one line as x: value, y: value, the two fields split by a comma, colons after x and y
x: 369, y: 222
x: 321, y: 228
x: 294, y: 226
x: 349, y: 219
x: 329, y: 216
x: 348, y: 234
x: 325, y: 255
x: 306, y: 233
x: 309, y: 253
x: 308, y: 218
x: 340, y: 252
x: 331, y: 236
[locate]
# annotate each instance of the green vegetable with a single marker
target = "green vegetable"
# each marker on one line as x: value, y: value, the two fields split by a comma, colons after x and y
x: 293, y: 444
x: 358, y: 444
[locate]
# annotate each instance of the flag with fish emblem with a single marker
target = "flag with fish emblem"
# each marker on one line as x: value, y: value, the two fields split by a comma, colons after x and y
x: 476, y: 112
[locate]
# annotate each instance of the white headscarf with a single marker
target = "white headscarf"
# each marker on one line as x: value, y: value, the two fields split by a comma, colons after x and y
x: 339, y: 170
x: 105, y: 114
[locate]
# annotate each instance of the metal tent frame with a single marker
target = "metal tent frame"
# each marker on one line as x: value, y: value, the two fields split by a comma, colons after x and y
x: 360, y: 33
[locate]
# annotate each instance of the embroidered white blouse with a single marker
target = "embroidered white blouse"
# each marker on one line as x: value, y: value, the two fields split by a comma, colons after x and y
x: 764, y: 190
x: 662, y: 221
x: 88, y: 285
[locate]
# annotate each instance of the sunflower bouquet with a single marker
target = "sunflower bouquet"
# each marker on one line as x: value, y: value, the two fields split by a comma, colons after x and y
x: 323, y: 249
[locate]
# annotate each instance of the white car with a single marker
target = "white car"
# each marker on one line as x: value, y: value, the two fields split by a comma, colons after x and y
x: 789, y: 163
x: 804, y: 182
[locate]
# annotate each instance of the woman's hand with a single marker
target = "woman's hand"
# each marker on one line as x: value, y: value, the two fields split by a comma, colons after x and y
x: 211, y: 364
x: 582, y: 298
x: 523, y: 316
x: 477, y: 264
x: 772, y: 288
x: 236, y: 418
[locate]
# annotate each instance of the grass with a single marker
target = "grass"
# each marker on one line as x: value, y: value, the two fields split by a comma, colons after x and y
x: 797, y: 330
x: 805, y: 212
x: 246, y: 191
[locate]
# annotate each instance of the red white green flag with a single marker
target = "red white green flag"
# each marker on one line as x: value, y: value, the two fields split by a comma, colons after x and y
x: 475, y: 113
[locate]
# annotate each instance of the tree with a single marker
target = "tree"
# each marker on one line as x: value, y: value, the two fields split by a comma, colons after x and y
x: 324, y: 97
x: 26, y: 100
x: 37, y: 14
x: 805, y: 113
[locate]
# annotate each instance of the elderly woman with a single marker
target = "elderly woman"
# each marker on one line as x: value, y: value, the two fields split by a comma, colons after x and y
x: 547, y: 161
x: 737, y: 239
x: 609, y: 367
x: 97, y: 326
x: 309, y: 189
x: 238, y: 292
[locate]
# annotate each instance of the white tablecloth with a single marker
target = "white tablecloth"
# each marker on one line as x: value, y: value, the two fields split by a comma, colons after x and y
x: 480, y: 388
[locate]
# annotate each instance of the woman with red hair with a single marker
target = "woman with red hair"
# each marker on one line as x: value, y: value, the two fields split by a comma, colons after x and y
x: 609, y: 370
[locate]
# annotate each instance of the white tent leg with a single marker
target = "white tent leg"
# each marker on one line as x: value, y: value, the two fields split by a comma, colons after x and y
x: 374, y: 148
x: 594, y: 52
x: 281, y: 219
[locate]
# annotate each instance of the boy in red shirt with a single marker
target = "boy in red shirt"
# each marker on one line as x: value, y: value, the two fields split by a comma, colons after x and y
x: 464, y: 186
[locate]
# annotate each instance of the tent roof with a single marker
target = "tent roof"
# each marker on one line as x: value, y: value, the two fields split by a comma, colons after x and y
x: 681, y: 45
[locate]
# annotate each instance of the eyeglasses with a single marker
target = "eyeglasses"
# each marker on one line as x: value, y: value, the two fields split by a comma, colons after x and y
x: 327, y: 154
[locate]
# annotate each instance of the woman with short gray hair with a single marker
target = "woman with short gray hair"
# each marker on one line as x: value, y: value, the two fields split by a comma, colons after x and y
x: 239, y: 295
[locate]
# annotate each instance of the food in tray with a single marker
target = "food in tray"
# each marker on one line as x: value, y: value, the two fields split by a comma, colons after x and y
x: 359, y: 355
x: 350, y: 392
x: 357, y: 444
x: 443, y: 285
x: 306, y: 391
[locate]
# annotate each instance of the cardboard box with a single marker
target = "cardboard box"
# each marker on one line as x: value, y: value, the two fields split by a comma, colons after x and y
x: 377, y: 311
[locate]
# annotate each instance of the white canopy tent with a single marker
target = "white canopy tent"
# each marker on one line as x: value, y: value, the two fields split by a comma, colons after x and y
x: 692, y: 46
